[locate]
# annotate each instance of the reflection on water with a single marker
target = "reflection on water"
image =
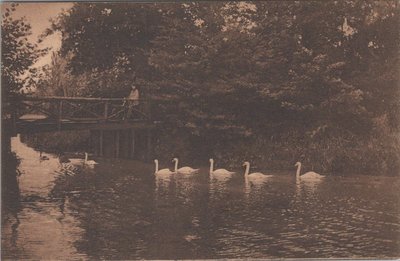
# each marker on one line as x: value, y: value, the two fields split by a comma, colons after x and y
x: 38, y: 228
x: 121, y: 210
x: 162, y: 182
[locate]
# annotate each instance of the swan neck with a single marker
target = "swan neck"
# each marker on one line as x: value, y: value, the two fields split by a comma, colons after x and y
x: 86, y: 157
x: 156, y: 162
x: 211, y: 167
x: 176, y: 165
x: 246, y: 172
x: 298, y: 171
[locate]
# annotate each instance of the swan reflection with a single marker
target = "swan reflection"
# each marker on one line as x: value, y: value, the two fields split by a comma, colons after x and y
x: 163, y: 181
x: 306, y: 188
x: 255, y: 189
x: 218, y: 188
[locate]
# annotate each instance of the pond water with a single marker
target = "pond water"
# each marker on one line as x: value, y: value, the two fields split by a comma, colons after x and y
x: 119, y: 210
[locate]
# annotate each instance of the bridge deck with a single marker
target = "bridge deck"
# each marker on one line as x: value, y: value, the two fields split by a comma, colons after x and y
x: 48, y: 126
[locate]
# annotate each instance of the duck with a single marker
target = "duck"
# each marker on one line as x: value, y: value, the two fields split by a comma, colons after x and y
x: 162, y: 171
x: 219, y: 172
x: 254, y: 175
x: 63, y: 158
x: 89, y: 162
x: 311, y: 175
x: 43, y: 157
x: 184, y: 170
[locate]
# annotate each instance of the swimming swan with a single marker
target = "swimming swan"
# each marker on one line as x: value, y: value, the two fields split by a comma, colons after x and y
x: 311, y: 175
x: 162, y: 171
x: 219, y: 172
x: 254, y: 175
x: 89, y: 162
x: 183, y: 170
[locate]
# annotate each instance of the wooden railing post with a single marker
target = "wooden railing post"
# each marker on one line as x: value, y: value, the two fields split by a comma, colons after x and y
x: 117, y: 143
x: 60, y: 108
x: 101, y: 143
x: 132, y: 143
x: 106, y: 110
x: 149, y: 146
x: 148, y: 110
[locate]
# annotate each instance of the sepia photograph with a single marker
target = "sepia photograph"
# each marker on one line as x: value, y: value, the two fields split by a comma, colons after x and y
x: 192, y: 130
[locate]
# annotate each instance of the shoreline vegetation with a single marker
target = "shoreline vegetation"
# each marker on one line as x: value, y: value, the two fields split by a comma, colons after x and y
x: 59, y: 142
x: 9, y: 179
x: 333, y: 157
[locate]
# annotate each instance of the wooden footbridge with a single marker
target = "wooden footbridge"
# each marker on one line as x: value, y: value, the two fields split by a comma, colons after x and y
x: 112, y: 121
x: 40, y: 114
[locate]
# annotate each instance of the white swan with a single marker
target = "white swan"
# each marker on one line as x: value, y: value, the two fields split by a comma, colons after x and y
x: 219, y: 172
x: 254, y: 175
x: 311, y: 175
x: 89, y: 162
x: 183, y: 170
x: 162, y: 171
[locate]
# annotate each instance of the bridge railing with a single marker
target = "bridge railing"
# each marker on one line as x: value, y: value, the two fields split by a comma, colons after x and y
x: 77, y: 109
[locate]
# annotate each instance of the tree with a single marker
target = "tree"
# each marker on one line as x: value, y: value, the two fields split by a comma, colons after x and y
x: 17, y: 53
x: 56, y: 78
x: 102, y: 34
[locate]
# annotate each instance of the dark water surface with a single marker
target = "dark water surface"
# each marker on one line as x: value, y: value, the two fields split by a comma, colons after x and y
x: 119, y: 210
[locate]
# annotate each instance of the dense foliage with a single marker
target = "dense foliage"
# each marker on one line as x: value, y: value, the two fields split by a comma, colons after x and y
x: 17, y: 54
x: 272, y: 82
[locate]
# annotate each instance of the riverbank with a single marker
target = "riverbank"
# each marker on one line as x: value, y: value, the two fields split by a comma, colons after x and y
x: 331, y: 155
x: 60, y: 142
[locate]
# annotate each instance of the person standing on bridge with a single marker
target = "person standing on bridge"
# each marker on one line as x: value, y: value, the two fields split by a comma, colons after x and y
x: 132, y: 101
